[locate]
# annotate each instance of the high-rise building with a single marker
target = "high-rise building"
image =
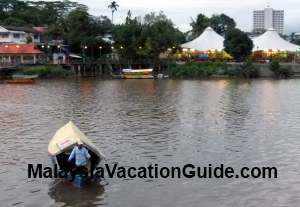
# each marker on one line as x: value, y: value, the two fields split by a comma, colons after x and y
x: 268, y: 18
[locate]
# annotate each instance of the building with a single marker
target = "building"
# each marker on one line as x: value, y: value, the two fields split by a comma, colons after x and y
x: 19, y: 54
x: 19, y: 35
x: 268, y: 18
x: 296, y: 36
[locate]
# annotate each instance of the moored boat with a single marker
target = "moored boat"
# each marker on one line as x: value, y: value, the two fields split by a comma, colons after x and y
x: 22, y: 79
x: 62, y: 144
x: 137, y: 73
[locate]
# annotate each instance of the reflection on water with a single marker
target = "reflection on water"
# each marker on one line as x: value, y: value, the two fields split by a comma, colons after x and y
x: 167, y: 122
x: 65, y: 194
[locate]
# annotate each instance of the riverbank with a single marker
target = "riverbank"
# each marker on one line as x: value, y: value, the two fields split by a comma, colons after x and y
x: 45, y: 71
x: 207, y: 70
x: 235, y: 70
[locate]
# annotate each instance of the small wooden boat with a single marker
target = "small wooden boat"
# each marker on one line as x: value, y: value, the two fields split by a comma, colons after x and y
x: 22, y: 79
x: 117, y: 76
x: 21, y: 76
x: 137, y: 73
x: 62, y: 144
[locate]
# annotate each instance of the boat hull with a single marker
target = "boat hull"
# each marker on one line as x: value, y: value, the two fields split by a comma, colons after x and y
x: 20, y: 81
x: 138, y: 76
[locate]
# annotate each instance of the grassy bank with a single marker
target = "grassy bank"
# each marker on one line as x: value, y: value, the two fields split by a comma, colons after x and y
x: 280, y: 71
x: 213, y: 69
x: 45, y: 71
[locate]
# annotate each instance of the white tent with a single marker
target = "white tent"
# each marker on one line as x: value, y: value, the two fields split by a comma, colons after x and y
x: 271, y: 40
x: 208, y: 40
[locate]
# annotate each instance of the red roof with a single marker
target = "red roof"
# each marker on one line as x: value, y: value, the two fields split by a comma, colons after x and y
x: 19, y: 49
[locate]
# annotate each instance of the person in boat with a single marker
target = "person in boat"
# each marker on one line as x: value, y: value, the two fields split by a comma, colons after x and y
x: 81, y: 156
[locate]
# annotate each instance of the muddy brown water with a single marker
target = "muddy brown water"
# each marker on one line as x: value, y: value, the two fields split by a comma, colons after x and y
x: 168, y: 122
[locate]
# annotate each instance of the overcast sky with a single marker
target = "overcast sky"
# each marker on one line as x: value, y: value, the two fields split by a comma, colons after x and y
x: 181, y: 11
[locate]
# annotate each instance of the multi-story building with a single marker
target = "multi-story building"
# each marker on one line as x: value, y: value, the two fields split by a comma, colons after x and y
x: 268, y: 18
x: 19, y: 35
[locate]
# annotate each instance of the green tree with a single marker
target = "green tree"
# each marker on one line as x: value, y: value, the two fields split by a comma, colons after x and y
x: 113, y: 7
x: 80, y: 31
x: 128, y: 36
x: 199, y: 25
x: 222, y: 23
x: 159, y: 34
x: 13, y: 21
x: 35, y: 13
x: 148, y: 39
x: 238, y: 44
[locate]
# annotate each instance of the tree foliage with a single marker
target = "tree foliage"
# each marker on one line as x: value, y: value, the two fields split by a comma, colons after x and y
x: 65, y: 20
x: 238, y: 44
x: 36, y: 13
x: 113, y: 6
x: 147, y: 38
x: 220, y: 23
x: 199, y: 25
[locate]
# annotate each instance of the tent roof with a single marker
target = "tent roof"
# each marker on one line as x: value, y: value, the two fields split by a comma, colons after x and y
x: 208, y: 40
x: 68, y: 136
x: 271, y: 40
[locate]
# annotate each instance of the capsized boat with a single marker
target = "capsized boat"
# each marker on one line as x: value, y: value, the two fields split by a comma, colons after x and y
x: 63, y: 142
x: 137, y: 73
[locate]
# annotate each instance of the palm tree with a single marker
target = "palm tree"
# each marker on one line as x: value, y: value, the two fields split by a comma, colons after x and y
x: 114, y: 7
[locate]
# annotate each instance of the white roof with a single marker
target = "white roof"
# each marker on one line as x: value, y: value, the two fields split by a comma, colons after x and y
x: 271, y: 40
x: 208, y: 40
x: 68, y: 136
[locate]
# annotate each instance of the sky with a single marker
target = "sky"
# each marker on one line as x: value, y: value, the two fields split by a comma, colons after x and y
x: 181, y: 11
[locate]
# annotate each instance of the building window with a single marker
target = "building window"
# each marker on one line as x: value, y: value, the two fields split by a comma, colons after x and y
x: 4, y: 35
x: 17, y: 36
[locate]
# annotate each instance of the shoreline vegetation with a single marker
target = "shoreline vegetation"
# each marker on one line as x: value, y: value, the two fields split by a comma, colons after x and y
x: 45, y: 71
x: 246, y: 70
x: 192, y: 70
x: 213, y: 70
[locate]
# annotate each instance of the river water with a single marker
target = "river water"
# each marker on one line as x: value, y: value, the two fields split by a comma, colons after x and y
x: 167, y: 122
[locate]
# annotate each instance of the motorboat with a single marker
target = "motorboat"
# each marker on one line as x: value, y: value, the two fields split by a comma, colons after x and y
x: 137, y: 73
x: 22, y: 79
x: 62, y: 144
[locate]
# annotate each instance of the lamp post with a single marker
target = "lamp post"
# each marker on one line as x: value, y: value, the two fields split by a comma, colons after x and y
x: 59, y: 47
x: 169, y: 59
x: 140, y: 56
x: 84, y: 48
x: 100, y: 49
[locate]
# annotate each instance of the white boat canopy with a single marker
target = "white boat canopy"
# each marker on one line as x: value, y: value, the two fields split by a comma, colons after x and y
x: 208, y: 40
x: 271, y: 40
x: 68, y: 136
x: 137, y: 70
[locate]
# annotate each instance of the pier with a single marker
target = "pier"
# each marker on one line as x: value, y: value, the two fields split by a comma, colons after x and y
x: 103, y: 67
